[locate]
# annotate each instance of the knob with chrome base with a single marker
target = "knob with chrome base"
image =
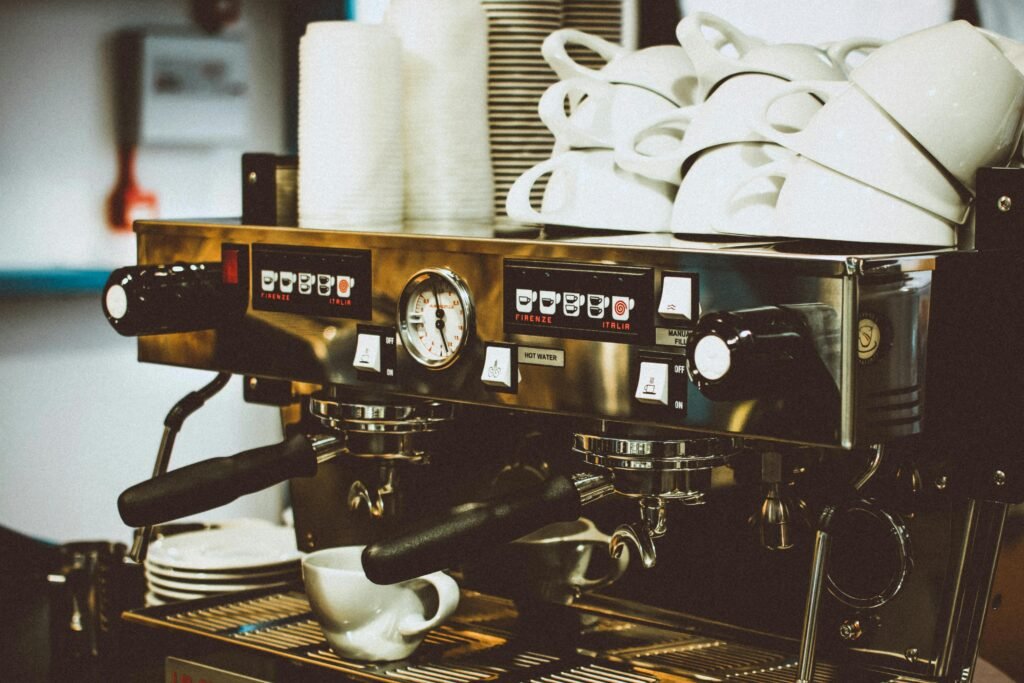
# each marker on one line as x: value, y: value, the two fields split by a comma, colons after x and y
x: 736, y: 355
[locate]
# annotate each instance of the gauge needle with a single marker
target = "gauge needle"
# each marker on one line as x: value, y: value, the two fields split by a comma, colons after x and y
x: 439, y: 323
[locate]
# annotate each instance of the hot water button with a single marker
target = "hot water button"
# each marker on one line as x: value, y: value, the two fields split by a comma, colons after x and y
x: 501, y: 368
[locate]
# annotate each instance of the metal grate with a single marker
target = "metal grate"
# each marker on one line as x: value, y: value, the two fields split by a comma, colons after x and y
x: 480, y: 644
x: 710, y: 657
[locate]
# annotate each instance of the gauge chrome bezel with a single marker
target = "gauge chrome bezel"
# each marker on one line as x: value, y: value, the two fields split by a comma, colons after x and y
x: 465, y: 300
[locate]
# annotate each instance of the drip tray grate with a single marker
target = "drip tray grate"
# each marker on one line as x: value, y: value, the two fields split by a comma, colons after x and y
x: 482, y: 643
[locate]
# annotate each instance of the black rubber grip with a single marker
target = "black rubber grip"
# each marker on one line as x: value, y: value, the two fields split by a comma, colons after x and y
x: 211, y: 483
x: 469, y: 528
x: 158, y: 299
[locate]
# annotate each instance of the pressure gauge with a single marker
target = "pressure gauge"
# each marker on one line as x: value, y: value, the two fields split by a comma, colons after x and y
x: 435, y: 316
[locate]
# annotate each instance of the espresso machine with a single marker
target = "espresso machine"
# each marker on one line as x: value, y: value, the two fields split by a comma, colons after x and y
x: 807, y: 449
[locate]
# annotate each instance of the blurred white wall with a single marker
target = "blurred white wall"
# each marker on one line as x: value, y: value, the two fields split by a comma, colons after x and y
x: 80, y: 419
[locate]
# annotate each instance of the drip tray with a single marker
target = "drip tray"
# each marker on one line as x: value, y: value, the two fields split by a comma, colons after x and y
x: 485, y: 641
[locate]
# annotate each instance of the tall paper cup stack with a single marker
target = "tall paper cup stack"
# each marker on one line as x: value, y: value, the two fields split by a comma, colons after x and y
x: 350, y: 127
x: 448, y: 175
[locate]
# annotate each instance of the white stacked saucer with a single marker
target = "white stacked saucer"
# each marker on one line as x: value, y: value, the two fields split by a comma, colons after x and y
x: 199, y: 564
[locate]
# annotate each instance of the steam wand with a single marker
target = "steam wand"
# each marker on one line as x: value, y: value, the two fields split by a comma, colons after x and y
x: 192, y: 402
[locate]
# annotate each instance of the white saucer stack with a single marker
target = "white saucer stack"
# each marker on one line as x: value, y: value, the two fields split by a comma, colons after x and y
x: 200, y: 564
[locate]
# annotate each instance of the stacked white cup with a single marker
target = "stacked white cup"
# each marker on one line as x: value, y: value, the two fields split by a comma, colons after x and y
x: 350, y: 127
x: 588, y: 111
x: 887, y: 156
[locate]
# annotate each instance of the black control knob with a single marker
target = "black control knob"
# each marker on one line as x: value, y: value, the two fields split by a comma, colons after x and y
x: 750, y: 353
x: 182, y: 297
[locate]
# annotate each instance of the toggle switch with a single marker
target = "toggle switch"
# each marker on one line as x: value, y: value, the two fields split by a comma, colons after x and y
x: 677, y: 297
x: 501, y: 368
x: 367, y: 353
x: 652, y: 384
x: 497, y: 367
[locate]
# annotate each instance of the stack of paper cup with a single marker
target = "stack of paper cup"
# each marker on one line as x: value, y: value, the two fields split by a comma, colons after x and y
x: 448, y: 175
x: 350, y: 127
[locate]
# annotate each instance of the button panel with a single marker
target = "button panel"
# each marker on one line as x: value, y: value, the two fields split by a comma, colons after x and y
x: 332, y: 283
x: 579, y: 301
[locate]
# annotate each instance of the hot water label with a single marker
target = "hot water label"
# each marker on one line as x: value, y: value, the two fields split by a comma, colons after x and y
x: 333, y: 283
x: 579, y: 301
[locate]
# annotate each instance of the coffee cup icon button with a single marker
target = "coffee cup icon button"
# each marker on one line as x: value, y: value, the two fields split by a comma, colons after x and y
x: 306, y: 281
x: 287, y: 282
x: 596, y: 304
x: 572, y: 302
x: 268, y: 278
x: 549, y: 301
x: 621, y: 306
x: 525, y: 299
x: 344, y: 285
x: 324, y: 284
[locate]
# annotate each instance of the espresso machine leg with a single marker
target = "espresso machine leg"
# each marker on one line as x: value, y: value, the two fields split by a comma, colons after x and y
x: 809, y: 634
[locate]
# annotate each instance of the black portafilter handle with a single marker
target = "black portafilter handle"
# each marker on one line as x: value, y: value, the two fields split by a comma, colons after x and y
x: 467, y: 529
x: 211, y: 483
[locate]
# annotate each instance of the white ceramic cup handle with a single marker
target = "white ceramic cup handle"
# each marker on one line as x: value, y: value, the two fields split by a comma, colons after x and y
x: 708, y: 59
x: 775, y: 169
x: 761, y: 123
x: 840, y: 51
x: 552, y: 110
x: 621, y: 563
x: 517, y: 203
x: 447, y: 600
x: 565, y: 66
x: 666, y: 166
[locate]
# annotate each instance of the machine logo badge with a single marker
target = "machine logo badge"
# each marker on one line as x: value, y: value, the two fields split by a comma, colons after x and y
x: 871, y: 338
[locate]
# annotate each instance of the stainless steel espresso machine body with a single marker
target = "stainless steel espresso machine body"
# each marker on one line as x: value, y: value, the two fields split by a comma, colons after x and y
x: 820, y: 438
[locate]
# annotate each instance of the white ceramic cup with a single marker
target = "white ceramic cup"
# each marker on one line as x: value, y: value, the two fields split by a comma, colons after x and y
x: 710, y: 183
x: 664, y: 69
x: 588, y: 190
x: 953, y: 91
x: 724, y: 118
x: 1011, y: 49
x: 604, y: 112
x: 816, y: 202
x: 713, y: 64
x: 845, y: 53
x: 365, y: 621
x: 850, y: 134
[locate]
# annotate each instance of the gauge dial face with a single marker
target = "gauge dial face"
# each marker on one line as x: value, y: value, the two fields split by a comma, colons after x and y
x: 436, y: 317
